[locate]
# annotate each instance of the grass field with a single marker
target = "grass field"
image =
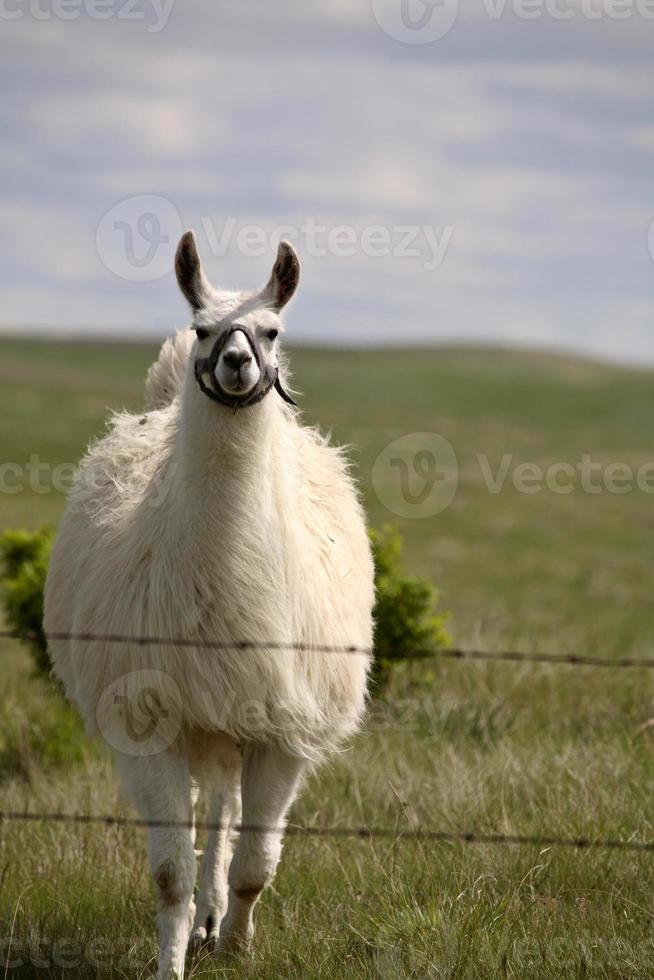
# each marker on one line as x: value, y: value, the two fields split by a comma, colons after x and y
x: 496, y: 747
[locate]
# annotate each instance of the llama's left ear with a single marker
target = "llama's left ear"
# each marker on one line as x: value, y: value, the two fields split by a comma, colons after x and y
x: 283, y: 279
x: 188, y: 269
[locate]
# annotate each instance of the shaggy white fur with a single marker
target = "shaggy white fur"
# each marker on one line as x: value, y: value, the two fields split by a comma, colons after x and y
x: 203, y: 522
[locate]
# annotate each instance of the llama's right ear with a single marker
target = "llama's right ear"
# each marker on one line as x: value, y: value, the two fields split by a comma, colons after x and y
x: 188, y: 269
x: 283, y: 279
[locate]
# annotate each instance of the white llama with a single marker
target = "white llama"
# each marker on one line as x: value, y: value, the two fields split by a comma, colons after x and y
x: 214, y: 517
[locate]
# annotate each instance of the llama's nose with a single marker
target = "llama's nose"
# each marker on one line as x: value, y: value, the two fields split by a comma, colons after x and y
x: 236, y: 359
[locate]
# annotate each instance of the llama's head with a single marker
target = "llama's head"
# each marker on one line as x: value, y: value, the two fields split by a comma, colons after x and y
x: 235, y: 354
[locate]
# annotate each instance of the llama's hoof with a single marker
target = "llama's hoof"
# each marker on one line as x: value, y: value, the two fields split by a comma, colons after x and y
x: 197, y: 940
x: 201, y: 941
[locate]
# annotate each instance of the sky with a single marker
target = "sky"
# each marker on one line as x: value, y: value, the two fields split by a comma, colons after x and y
x: 477, y: 171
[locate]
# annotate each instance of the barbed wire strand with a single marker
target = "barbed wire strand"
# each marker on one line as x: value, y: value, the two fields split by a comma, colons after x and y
x: 452, y: 653
x: 363, y: 833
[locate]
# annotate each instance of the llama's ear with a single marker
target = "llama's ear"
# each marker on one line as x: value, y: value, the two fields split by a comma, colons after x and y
x: 283, y: 279
x: 188, y: 269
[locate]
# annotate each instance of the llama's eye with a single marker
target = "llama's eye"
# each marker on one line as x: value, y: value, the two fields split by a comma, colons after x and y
x: 201, y: 334
x: 272, y: 334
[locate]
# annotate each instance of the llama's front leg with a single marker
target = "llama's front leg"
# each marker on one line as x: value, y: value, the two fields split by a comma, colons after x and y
x: 269, y: 785
x: 224, y: 811
x: 161, y: 786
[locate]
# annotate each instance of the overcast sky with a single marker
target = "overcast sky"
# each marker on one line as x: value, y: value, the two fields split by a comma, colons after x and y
x: 448, y: 173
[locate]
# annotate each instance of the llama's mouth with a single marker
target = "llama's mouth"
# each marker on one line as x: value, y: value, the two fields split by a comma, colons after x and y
x: 233, y: 390
x: 238, y: 389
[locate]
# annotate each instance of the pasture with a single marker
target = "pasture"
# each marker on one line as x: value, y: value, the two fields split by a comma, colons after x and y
x: 528, y: 749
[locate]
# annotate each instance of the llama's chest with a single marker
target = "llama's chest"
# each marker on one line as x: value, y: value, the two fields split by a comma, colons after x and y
x: 259, y: 580
x: 231, y: 556
x: 225, y: 584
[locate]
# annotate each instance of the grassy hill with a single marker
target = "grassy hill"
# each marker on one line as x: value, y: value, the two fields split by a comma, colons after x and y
x: 529, y: 749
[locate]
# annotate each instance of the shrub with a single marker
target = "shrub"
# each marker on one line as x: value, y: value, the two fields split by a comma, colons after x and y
x: 41, y: 731
x: 24, y: 556
x: 406, y: 617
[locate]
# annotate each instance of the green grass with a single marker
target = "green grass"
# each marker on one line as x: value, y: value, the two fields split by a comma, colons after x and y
x: 511, y: 748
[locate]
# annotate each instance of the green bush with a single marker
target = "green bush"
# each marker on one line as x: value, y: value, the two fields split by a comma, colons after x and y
x: 41, y: 731
x: 24, y: 558
x: 406, y: 616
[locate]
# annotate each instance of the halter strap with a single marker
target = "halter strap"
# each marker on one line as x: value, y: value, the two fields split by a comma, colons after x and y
x: 268, y: 376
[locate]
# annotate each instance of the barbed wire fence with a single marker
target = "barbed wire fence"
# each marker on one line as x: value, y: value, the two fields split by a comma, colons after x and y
x: 450, y: 653
x: 416, y: 834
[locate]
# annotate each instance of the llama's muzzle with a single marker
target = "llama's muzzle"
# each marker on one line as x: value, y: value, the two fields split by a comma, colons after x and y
x: 268, y: 375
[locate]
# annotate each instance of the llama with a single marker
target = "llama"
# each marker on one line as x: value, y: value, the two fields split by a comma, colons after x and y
x: 214, y: 517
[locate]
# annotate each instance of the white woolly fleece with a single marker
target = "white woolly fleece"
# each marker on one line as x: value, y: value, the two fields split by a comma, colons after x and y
x: 196, y: 522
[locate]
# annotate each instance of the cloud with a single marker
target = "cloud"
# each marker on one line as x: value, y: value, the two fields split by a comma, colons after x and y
x: 531, y: 140
x: 142, y: 124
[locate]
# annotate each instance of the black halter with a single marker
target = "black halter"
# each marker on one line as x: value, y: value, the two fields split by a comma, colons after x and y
x: 268, y: 376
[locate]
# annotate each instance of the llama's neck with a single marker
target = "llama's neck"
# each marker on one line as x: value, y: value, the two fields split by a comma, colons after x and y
x: 224, y: 459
